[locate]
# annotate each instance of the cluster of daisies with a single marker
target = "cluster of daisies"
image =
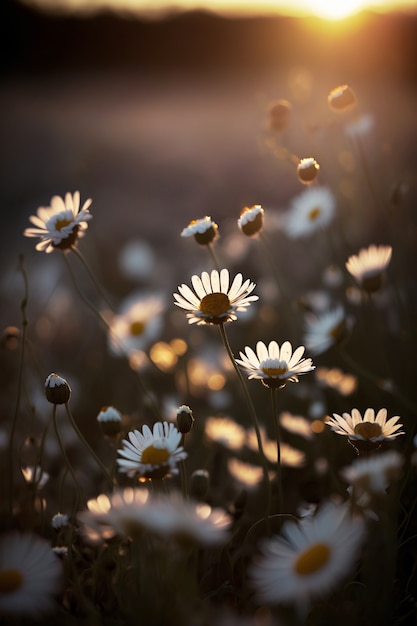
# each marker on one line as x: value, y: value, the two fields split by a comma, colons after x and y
x: 312, y: 555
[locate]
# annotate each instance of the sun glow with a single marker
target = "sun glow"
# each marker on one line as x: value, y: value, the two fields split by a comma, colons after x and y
x: 335, y: 9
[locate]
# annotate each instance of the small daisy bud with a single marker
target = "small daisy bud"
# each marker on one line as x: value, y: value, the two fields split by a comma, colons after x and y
x: 199, y: 484
x: 11, y: 336
x: 185, y: 419
x: 204, y: 230
x: 279, y: 115
x: 57, y: 390
x: 341, y: 98
x: 307, y: 170
x: 251, y: 220
x: 59, y: 521
x: 110, y: 421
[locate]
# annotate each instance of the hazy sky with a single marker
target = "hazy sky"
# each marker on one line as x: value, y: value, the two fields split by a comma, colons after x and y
x: 333, y: 9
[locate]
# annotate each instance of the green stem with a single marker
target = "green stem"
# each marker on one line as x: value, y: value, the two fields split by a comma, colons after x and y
x: 255, y: 424
x: 88, y: 447
x: 213, y: 257
x: 92, y: 276
x: 278, y: 440
x: 67, y: 462
x: 23, y: 306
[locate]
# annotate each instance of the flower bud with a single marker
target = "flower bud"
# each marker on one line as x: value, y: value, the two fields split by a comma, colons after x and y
x: 57, y: 390
x: 341, y: 98
x: 199, y: 484
x: 279, y: 115
x: 110, y: 420
x: 185, y: 419
x: 307, y: 170
x: 251, y: 220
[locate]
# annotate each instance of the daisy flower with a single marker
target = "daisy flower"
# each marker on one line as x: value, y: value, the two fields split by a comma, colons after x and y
x: 309, y: 559
x: 214, y: 300
x: 324, y: 330
x: 307, y: 170
x: 152, y: 453
x: 61, y: 224
x: 137, y: 324
x: 368, y: 266
x: 30, y: 575
x: 275, y: 366
x: 367, y: 432
x: 131, y: 511
x: 204, y: 230
x: 251, y: 220
x: 310, y: 211
x: 374, y: 474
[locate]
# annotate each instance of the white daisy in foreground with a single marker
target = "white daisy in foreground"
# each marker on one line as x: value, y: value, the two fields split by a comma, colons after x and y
x: 137, y: 325
x: 129, y: 511
x: 30, y: 575
x: 251, y: 220
x: 310, y: 211
x: 374, y: 474
x: 367, y: 432
x: 325, y: 329
x: 311, y: 558
x: 214, y: 300
x: 204, y: 230
x: 368, y: 266
x: 61, y: 224
x: 275, y: 366
x: 152, y: 453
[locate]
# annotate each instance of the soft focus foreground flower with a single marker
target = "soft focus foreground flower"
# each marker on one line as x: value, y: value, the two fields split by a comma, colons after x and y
x: 324, y: 330
x: 341, y: 98
x: 214, y: 302
x: 275, y: 366
x: 310, y: 211
x: 368, y: 266
x: 373, y: 475
x: 131, y: 511
x: 60, y: 224
x: 137, y: 325
x: 152, y: 453
x: 367, y: 432
x: 204, y: 230
x: 307, y: 170
x: 35, y: 475
x: 30, y: 575
x: 309, y: 559
x: 251, y: 220
x: 57, y: 390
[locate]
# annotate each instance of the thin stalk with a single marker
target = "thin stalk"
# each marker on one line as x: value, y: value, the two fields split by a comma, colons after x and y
x: 92, y: 276
x: 213, y: 257
x: 278, y: 440
x: 23, y: 306
x: 255, y: 424
x: 67, y: 462
x: 88, y: 447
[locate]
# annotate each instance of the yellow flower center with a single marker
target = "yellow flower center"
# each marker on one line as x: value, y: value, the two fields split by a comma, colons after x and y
x: 215, y: 304
x: 312, y: 559
x: 137, y: 328
x: 154, y: 456
x: 62, y: 223
x: 10, y: 580
x: 314, y: 213
x: 368, y: 429
x: 274, y: 371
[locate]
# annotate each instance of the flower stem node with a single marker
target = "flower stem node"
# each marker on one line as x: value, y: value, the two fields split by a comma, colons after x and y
x: 185, y: 419
x: 251, y: 220
x: 307, y: 170
x: 57, y: 390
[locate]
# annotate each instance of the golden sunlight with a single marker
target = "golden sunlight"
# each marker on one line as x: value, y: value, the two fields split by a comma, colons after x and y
x: 336, y: 10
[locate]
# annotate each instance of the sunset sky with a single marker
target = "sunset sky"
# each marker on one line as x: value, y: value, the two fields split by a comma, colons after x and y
x: 330, y: 9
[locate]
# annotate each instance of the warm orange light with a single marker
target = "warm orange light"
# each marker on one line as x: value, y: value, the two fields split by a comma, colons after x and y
x: 336, y: 9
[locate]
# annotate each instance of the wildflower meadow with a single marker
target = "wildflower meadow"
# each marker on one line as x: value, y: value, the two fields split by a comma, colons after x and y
x: 227, y: 434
